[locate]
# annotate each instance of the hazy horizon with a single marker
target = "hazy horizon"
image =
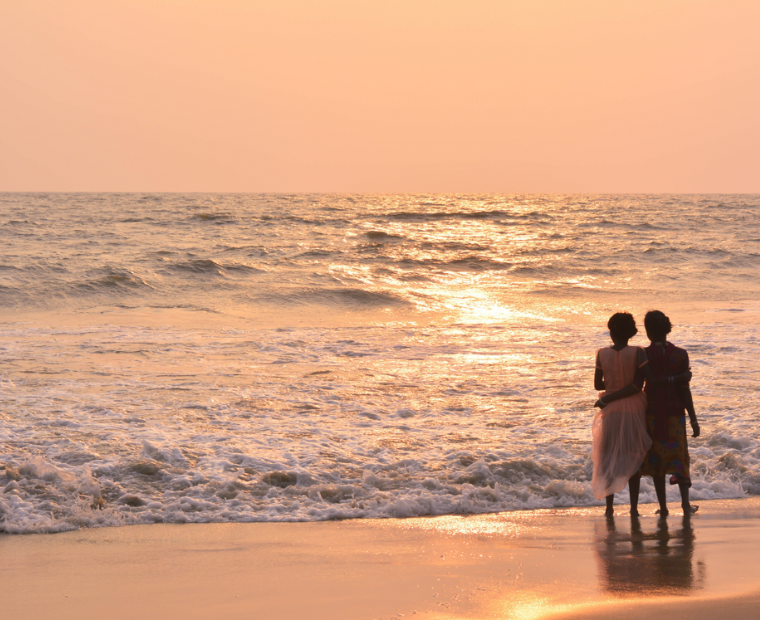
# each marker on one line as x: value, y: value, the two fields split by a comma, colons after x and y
x: 349, y: 97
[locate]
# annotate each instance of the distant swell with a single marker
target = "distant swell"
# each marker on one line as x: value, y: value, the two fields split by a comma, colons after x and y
x: 206, y: 266
x: 464, y: 215
x: 343, y: 297
x: 117, y: 279
x: 200, y: 266
x: 446, y: 215
x: 214, y: 217
x: 379, y: 235
x: 468, y: 263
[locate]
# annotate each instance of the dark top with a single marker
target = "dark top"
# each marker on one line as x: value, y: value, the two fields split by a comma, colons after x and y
x: 665, y: 401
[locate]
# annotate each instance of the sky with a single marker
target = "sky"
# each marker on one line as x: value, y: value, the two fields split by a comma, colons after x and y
x: 380, y: 96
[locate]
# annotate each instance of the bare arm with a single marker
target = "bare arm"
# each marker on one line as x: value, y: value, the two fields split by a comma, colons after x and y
x: 598, y: 375
x: 599, y: 380
x: 628, y: 390
x: 645, y: 372
x: 681, y: 379
x: 688, y: 402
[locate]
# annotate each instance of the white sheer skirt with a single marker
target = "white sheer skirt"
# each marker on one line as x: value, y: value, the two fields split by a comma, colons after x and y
x: 619, y: 444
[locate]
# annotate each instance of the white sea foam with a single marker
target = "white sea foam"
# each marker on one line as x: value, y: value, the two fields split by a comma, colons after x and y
x: 350, y: 356
x: 111, y: 426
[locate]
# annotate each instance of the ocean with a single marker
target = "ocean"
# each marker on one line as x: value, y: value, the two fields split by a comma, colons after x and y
x: 172, y: 358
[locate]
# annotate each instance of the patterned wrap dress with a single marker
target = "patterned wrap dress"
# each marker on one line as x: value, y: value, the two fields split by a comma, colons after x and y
x: 666, y: 416
x: 619, y: 434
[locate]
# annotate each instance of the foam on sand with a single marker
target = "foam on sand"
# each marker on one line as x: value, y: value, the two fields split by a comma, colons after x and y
x: 109, y: 425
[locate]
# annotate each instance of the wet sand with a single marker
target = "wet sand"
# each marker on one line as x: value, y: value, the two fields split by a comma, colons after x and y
x: 523, y: 565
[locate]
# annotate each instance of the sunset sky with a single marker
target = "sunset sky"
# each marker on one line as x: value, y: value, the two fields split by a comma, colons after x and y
x: 380, y: 96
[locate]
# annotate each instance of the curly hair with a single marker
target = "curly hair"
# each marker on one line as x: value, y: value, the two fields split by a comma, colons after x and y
x: 622, y: 326
x: 657, y: 325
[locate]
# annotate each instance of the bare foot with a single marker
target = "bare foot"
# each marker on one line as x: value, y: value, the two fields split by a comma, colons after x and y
x: 634, y: 512
x: 690, y: 509
x: 609, y: 512
x: 663, y: 512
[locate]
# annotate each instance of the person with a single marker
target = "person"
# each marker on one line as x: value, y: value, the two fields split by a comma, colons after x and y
x: 619, y: 436
x: 666, y: 403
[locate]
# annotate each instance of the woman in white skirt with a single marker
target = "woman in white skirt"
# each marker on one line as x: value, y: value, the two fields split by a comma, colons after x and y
x: 619, y: 435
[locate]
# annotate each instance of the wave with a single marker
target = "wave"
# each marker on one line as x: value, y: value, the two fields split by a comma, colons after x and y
x: 576, y: 291
x: 207, y: 266
x: 136, y: 220
x: 342, y: 297
x: 222, y: 218
x: 199, y: 266
x: 463, y: 215
x: 647, y: 226
x: 475, y: 263
x: 80, y: 488
x: 605, y: 223
x: 309, y: 221
x: 241, y: 268
x: 454, y: 246
x: 724, y: 256
x: 115, y: 278
x: 191, y: 307
x: 379, y: 235
x: 316, y: 253
x: 466, y: 263
x: 249, y: 250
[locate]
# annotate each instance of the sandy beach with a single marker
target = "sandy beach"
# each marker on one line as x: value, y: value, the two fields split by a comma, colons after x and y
x: 531, y: 564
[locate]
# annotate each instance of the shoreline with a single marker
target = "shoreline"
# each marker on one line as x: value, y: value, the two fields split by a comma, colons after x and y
x: 647, y: 509
x: 562, y: 563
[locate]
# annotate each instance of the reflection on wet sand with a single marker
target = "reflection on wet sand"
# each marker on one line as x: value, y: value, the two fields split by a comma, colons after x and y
x: 647, y: 562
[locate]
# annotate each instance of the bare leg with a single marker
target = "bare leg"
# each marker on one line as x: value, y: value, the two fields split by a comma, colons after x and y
x: 609, y: 512
x: 634, y: 484
x: 688, y: 507
x: 659, y: 487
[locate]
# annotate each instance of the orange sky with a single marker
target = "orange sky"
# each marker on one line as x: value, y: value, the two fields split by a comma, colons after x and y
x: 380, y: 96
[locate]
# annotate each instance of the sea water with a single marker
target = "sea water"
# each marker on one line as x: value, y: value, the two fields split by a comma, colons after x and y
x: 213, y: 358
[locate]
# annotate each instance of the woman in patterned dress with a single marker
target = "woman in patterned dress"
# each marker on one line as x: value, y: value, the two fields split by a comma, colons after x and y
x: 667, y: 403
